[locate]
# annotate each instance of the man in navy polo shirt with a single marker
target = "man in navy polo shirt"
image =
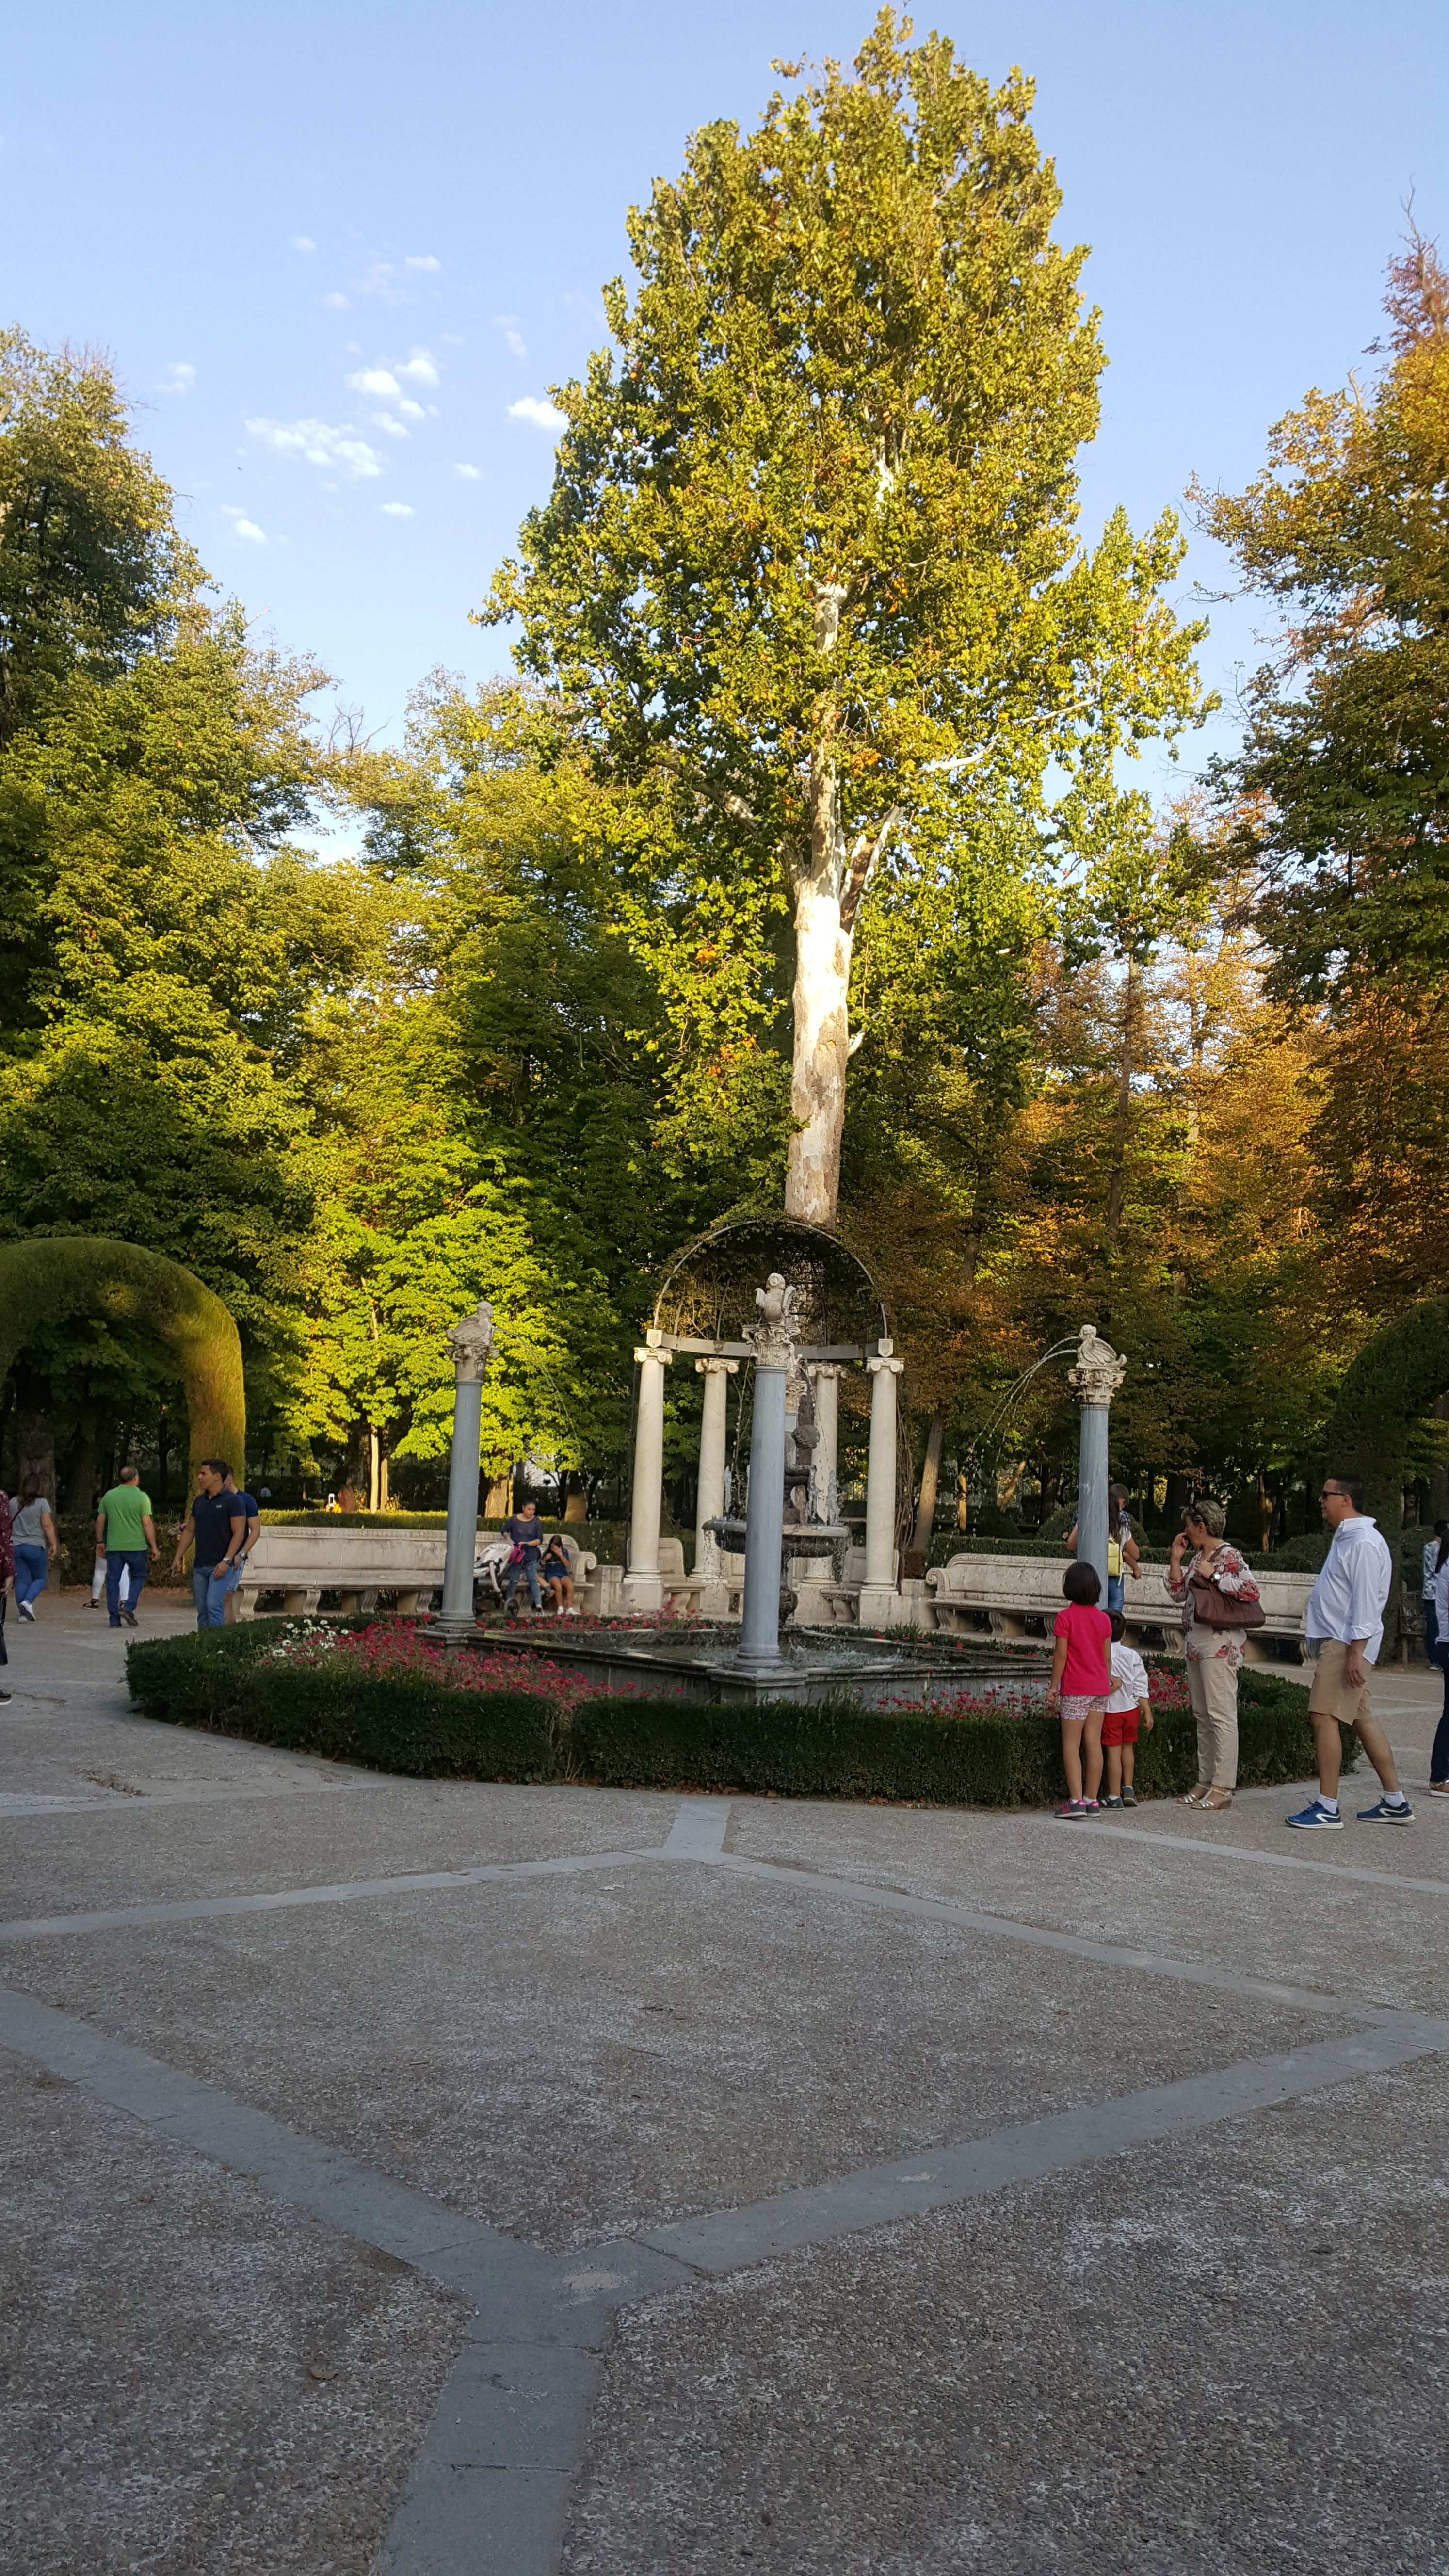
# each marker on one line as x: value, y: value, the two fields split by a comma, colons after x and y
x: 218, y: 1524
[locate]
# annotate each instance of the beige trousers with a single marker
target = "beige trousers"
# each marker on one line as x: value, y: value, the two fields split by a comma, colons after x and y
x: 1213, y: 1687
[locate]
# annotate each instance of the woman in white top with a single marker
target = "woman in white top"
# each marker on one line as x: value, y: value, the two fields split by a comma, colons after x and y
x: 36, y: 1546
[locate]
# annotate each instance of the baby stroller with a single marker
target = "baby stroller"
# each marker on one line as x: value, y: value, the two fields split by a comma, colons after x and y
x: 490, y: 1566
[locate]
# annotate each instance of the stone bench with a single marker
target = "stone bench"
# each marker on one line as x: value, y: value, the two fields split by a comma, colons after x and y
x: 357, y: 1564
x: 301, y: 1564
x: 1019, y: 1596
x: 679, y: 1587
x: 825, y: 1599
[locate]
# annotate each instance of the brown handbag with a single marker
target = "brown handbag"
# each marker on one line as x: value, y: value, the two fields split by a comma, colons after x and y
x: 1212, y: 1608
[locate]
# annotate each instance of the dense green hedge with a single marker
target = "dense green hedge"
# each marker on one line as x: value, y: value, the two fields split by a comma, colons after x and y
x: 412, y: 1724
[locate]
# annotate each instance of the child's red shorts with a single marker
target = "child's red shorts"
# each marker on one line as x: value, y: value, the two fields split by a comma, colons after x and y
x: 1119, y: 1726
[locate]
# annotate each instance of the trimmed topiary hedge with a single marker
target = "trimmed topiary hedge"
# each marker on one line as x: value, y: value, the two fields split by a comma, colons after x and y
x: 421, y: 1725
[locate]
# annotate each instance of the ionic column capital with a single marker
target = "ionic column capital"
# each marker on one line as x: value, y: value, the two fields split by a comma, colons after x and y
x: 884, y: 1368
x: 665, y: 1359
x: 714, y: 1367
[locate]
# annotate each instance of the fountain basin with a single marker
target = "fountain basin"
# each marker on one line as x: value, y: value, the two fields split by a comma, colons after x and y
x: 812, y: 1665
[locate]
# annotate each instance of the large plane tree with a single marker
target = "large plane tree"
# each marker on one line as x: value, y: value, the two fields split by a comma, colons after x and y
x: 809, y: 578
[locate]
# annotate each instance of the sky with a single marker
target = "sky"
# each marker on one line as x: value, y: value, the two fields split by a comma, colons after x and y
x: 338, y: 255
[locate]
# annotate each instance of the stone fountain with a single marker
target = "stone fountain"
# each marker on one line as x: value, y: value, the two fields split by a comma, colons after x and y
x: 786, y: 1515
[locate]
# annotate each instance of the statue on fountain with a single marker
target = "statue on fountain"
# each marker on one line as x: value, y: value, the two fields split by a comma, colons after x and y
x: 775, y: 1339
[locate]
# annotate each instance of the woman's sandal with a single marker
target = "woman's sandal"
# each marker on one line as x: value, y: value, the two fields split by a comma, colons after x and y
x: 1195, y: 1796
x: 1215, y: 1801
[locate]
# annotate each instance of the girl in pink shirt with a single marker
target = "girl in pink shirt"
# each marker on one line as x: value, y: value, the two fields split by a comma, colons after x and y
x: 1081, y: 1681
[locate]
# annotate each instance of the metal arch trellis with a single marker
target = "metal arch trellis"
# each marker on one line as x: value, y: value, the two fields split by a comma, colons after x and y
x: 976, y: 1453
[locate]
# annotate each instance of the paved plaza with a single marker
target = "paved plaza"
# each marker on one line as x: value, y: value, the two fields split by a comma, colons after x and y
x: 434, y: 2178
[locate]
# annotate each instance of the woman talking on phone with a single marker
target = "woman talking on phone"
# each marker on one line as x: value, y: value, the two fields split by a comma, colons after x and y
x: 1219, y: 1601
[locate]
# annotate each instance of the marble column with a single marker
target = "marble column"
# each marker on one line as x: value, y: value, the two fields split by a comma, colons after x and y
x: 716, y: 1374
x: 879, y: 1595
x: 825, y: 1465
x: 643, y: 1589
x: 1097, y: 1375
x: 470, y: 1342
x: 765, y: 1521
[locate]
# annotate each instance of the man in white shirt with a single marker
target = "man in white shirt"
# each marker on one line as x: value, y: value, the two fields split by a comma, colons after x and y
x: 1345, y: 1626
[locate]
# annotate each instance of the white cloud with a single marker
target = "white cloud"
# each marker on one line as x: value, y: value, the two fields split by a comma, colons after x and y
x: 412, y: 410
x: 319, y: 442
x: 543, y: 415
x: 397, y: 510
x: 179, y: 378
x: 378, y: 381
x: 513, y: 339
x: 338, y: 303
x: 419, y: 369
x: 242, y: 526
x: 426, y: 262
x: 470, y: 473
x: 384, y: 420
x: 303, y: 241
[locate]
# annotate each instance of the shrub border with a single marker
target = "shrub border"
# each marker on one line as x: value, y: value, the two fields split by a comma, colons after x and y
x: 407, y: 1723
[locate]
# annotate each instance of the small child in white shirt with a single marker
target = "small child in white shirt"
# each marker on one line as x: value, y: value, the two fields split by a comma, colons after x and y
x: 1128, y: 1708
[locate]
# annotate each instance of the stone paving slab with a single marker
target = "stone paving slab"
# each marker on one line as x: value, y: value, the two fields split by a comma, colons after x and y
x: 1294, y: 1914
x: 1109, y: 2245
x: 1206, y: 2359
x: 572, y: 2058
x: 160, y: 2321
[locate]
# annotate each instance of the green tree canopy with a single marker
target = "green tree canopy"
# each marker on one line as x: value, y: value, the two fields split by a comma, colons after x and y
x: 91, y: 567
x: 1345, y: 766
x: 810, y: 567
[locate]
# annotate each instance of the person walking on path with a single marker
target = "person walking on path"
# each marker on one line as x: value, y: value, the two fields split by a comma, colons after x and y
x: 527, y: 1539
x: 7, y: 1577
x: 1345, y: 1629
x: 248, y: 1505
x: 125, y: 1529
x: 1081, y: 1680
x: 218, y: 1525
x: 1434, y: 1627
x: 1213, y: 1654
x: 32, y: 1535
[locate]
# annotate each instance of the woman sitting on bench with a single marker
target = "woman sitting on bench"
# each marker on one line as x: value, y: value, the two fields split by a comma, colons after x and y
x: 558, y: 1578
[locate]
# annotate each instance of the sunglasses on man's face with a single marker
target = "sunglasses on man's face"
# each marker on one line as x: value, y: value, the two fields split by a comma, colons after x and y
x: 1332, y: 1494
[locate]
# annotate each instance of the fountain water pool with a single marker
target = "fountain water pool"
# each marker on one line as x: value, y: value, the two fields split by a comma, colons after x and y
x: 808, y: 1666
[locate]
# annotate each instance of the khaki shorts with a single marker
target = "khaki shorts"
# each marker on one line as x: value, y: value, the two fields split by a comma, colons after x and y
x: 1328, y: 1692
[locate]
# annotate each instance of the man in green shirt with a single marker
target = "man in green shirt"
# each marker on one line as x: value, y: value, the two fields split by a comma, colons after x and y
x: 125, y: 1529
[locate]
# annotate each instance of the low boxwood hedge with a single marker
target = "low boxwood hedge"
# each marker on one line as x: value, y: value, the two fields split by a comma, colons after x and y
x: 416, y: 1724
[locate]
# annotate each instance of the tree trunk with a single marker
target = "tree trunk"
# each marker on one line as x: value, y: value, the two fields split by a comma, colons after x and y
x: 498, y: 1502
x: 34, y: 1444
x: 930, y: 1478
x: 828, y: 891
x: 576, y: 1495
x: 822, y: 1051
x: 80, y: 1474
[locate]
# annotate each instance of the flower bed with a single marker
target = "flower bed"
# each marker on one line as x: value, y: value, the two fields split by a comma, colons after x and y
x: 381, y: 1695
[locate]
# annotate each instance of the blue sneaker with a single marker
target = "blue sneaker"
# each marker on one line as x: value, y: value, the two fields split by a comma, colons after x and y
x: 1384, y: 1814
x: 1319, y: 1819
